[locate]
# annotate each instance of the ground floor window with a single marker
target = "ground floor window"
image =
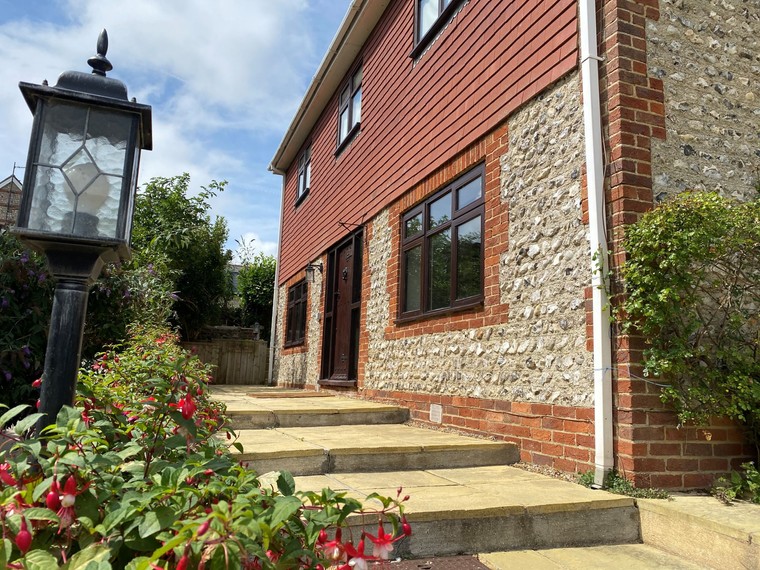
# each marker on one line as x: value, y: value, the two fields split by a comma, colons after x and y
x: 295, y: 330
x: 442, y: 249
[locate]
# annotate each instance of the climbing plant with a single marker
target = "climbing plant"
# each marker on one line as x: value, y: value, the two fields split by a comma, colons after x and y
x: 692, y: 282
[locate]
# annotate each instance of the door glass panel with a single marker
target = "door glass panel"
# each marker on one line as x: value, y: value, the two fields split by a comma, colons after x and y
x: 440, y: 270
x: 440, y: 211
x: 470, y: 192
x: 468, y: 259
x: 412, y: 279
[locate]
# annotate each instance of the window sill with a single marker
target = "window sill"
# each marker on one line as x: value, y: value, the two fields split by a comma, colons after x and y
x: 302, y: 197
x: 294, y: 344
x: 405, y: 320
x: 350, y: 136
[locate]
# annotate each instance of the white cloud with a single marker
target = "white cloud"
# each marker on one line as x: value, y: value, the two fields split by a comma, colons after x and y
x: 224, y: 79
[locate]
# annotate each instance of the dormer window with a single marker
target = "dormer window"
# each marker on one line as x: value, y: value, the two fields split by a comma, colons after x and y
x: 350, y: 107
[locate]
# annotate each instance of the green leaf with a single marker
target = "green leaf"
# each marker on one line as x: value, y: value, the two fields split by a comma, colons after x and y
x: 94, y: 557
x: 284, y: 508
x: 41, y: 514
x: 6, y: 549
x: 12, y: 413
x: 26, y: 424
x: 39, y: 560
x: 286, y: 484
x: 156, y: 521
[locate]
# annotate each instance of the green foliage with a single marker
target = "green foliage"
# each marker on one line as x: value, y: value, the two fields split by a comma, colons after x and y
x: 744, y: 485
x: 174, y: 226
x: 256, y: 290
x: 616, y: 483
x: 125, y: 295
x: 136, y: 476
x: 693, y: 290
x: 25, y: 303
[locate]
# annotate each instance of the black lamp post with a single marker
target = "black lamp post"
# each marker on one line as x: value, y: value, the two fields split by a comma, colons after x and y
x: 78, y: 199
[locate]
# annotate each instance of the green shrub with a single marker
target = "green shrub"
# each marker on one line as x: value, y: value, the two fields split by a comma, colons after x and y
x: 136, y: 476
x: 25, y: 304
x: 616, y: 483
x: 692, y: 283
x: 172, y: 225
x: 743, y: 485
x: 256, y: 290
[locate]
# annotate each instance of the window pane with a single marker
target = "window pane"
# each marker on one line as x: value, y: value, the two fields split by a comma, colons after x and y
x: 356, y: 113
x: 300, y: 189
x: 428, y: 14
x: 308, y: 176
x: 412, y: 279
x: 468, y: 259
x: 357, y: 78
x: 413, y: 226
x: 344, y: 96
x: 440, y: 270
x: 440, y: 211
x: 470, y: 192
x: 344, y: 124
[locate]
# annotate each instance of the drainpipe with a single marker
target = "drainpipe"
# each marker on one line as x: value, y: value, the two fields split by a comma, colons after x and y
x: 603, y: 457
x: 276, y: 295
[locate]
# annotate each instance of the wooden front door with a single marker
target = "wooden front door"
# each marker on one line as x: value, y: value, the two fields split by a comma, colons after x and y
x: 342, y: 311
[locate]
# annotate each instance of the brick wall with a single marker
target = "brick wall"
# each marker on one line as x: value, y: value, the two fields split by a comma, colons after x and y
x: 649, y: 447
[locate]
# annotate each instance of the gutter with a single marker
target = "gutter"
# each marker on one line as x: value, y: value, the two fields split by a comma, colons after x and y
x: 592, y: 122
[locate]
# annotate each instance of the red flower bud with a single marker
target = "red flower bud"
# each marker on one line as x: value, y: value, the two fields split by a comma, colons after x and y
x: 37, y: 383
x: 24, y: 538
x: 322, y: 537
x: 183, y: 562
x: 406, y: 527
x: 204, y: 528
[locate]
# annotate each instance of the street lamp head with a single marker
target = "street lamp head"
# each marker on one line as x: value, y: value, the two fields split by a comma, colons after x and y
x: 81, y: 175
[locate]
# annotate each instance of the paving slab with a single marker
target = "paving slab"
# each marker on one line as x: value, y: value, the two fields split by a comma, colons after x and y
x: 622, y: 556
x: 476, y: 509
x: 703, y: 529
x: 384, y: 447
x: 251, y: 407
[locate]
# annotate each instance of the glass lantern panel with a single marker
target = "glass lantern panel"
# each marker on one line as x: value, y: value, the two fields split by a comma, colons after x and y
x: 80, y: 170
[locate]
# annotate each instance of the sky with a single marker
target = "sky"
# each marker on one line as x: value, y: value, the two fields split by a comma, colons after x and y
x: 224, y: 78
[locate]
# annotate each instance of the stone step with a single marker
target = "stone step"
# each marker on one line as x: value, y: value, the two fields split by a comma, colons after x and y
x: 253, y: 407
x: 628, y: 556
x: 351, y: 448
x: 492, y: 508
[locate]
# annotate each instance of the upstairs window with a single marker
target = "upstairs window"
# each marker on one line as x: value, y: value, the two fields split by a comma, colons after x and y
x: 431, y: 17
x: 304, y: 174
x: 442, y: 250
x: 295, y: 329
x: 350, y: 107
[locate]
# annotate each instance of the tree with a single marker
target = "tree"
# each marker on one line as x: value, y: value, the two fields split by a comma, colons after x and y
x: 256, y: 289
x: 176, y: 233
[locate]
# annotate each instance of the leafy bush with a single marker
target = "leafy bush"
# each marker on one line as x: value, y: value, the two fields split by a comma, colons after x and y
x: 136, y: 477
x: 25, y: 303
x: 125, y: 295
x: 739, y: 485
x: 256, y: 290
x: 693, y: 290
x: 178, y: 228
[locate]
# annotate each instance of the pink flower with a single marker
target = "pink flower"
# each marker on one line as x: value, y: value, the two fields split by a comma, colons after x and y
x: 66, y: 513
x: 332, y: 549
x: 356, y: 557
x: 382, y: 543
x: 6, y: 476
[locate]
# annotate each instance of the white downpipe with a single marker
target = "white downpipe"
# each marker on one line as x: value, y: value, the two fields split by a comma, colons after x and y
x: 603, y: 457
x: 276, y: 295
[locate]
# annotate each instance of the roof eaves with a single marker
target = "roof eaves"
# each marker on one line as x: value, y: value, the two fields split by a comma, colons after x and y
x: 361, y: 18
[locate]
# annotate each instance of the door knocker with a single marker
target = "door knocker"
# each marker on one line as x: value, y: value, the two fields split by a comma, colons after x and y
x: 345, y: 274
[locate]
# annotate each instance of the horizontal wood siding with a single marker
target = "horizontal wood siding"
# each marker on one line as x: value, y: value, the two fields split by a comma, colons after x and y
x: 491, y: 58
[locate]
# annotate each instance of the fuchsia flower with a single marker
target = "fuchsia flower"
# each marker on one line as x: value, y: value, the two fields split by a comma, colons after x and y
x: 6, y: 476
x: 333, y: 549
x: 383, y: 543
x: 66, y: 512
x: 53, y: 498
x: 356, y: 557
